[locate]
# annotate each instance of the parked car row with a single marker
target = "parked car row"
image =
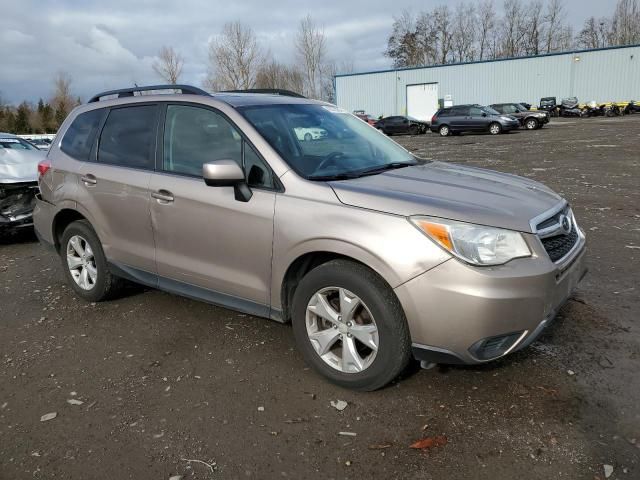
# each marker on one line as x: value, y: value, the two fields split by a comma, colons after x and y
x: 495, y: 119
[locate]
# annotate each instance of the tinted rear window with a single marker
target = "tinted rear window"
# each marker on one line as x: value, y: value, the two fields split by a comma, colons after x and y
x: 79, y: 138
x: 129, y: 137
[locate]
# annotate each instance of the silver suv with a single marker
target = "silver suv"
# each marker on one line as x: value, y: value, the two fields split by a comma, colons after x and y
x: 374, y: 255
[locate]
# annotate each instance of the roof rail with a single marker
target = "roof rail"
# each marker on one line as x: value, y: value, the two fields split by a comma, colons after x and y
x: 129, y: 92
x: 272, y: 91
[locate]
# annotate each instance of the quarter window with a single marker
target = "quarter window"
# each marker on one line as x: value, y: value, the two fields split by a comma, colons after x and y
x: 194, y: 136
x: 81, y: 134
x: 128, y: 137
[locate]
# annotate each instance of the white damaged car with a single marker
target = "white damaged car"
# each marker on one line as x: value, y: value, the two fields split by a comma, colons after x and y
x: 18, y: 181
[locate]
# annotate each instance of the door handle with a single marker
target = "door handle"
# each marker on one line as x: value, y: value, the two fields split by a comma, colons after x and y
x: 89, y: 179
x: 163, y: 196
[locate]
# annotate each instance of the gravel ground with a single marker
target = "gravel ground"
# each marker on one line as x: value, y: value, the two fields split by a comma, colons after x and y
x: 170, y: 386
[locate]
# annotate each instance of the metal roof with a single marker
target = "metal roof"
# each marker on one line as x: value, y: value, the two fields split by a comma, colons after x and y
x: 506, y: 59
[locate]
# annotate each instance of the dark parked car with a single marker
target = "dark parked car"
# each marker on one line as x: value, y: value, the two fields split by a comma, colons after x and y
x: 397, y: 125
x: 527, y: 118
x: 471, y: 118
x: 550, y: 105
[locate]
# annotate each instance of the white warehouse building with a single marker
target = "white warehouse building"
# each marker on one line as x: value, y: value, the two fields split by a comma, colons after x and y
x: 603, y: 75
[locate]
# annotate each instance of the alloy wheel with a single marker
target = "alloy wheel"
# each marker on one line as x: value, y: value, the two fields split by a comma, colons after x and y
x: 494, y: 129
x: 342, y: 330
x: 531, y: 124
x: 81, y: 262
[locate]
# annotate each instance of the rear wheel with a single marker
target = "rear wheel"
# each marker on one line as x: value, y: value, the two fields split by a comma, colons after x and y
x: 85, y: 264
x: 444, y: 130
x: 414, y: 130
x: 350, y: 326
x: 531, y: 124
x: 495, y: 128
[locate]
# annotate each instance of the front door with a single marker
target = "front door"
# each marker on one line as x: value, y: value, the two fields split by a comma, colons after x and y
x: 208, y: 244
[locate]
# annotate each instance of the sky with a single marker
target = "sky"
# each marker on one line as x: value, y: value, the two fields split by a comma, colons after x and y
x: 107, y: 44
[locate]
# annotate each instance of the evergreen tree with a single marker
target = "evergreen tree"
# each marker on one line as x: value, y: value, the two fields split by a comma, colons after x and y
x: 22, y: 119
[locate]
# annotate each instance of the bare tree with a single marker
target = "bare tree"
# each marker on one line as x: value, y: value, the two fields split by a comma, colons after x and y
x: 533, y: 27
x: 464, y: 33
x: 594, y: 34
x: 486, y: 35
x: 403, y: 45
x: 62, y: 100
x: 514, y: 29
x: 553, y: 26
x: 442, y: 34
x: 273, y: 74
x: 311, y: 51
x: 625, y: 24
x: 234, y: 59
x: 168, y: 65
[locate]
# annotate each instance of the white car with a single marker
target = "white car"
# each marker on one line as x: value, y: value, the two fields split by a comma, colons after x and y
x: 308, y: 134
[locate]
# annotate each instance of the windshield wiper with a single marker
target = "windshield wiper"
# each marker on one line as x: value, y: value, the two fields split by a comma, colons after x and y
x: 384, y: 168
x: 337, y: 176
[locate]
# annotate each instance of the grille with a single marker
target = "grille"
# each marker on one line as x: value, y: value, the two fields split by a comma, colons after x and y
x: 559, y: 245
x: 554, y: 220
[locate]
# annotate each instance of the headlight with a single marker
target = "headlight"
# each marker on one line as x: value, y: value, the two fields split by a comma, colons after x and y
x: 475, y: 244
x: 508, y: 119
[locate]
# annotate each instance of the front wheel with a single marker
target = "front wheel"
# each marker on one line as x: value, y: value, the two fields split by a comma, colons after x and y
x: 85, y: 264
x: 349, y: 326
x: 495, y: 128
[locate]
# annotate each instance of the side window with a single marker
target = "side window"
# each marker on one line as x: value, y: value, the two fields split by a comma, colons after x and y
x: 258, y: 174
x: 509, y: 109
x: 194, y: 136
x: 499, y: 108
x: 461, y: 111
x: 79, y: 138
x: 128, y: 137
x: 445, y: 113
x: 475, y: 112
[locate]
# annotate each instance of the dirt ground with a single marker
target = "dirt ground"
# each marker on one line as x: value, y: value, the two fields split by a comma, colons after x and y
x: 170, y: 386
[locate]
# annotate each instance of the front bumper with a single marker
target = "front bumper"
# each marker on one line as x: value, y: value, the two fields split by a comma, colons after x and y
x: 512, y: 125
x: 457, y: 313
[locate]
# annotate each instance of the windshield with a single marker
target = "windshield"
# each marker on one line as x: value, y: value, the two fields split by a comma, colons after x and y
x: 16, y: 144
x: 490, y: 111
x: 321, y: 142
x: 521, y: 107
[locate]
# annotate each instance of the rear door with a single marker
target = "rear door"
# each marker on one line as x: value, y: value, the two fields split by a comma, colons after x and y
x: 206, y: 239
x: 114, y: 187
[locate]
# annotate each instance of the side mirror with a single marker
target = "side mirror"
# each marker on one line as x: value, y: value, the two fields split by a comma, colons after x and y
x: 227, y: 173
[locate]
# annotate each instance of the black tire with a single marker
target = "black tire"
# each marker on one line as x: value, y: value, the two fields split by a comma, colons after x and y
x: 531, y: 124
x: 493, y: 130
x: 444, y: 130
x: 414, y: 130
x: 107, y: 285
x: 394, y: 349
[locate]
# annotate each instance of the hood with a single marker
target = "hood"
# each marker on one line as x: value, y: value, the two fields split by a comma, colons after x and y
x: 19, y: 165
x: 451, y: 191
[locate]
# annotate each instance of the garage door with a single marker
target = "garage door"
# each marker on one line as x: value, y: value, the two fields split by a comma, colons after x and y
x: 422, y: 101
